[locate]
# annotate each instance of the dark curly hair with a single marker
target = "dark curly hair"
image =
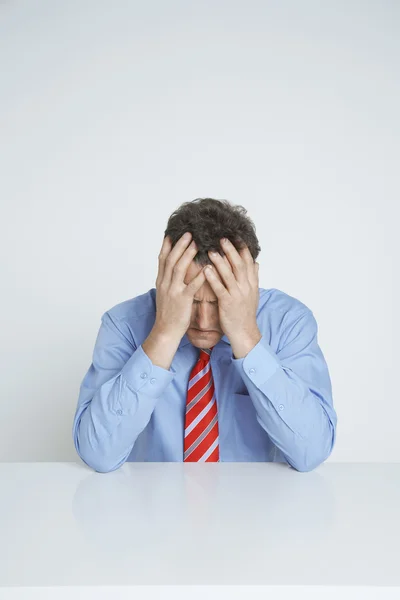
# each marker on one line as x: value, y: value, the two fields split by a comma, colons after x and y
x: 209, y: 220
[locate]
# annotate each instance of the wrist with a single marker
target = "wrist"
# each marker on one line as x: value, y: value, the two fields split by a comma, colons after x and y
x: 242, y: 344
x: 164, y: 334
x: 161, y: 346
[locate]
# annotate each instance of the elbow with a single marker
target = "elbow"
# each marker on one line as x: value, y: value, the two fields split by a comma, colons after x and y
x: 314, y: 454
x: 304, y: 466
x: 105, y: 468
x: 96, y: 458
x: 96, y: 452
x: 99, y: 463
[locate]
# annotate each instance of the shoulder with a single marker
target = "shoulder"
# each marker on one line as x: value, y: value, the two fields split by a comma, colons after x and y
x: 133, y: 317
x: 284, y: 317
x: 278, y: 302
x: 281, y: 315
x: 134, y: 308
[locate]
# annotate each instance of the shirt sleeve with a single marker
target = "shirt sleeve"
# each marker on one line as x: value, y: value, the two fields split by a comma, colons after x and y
x: 292, y: 393
x: 116, y: 398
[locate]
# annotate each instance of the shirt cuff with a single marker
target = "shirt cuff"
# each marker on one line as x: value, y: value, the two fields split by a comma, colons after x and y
x: 259, y: 364
x: 142, y: 375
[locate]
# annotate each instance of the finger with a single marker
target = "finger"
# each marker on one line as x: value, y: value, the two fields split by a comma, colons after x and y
x: 217, y: 286
x: 228, y: 264
x: 248, y: 260
x: 253, y: 277
x: 237, y: 261
x: 224, y: 269
x: 164, y: 251
x: 173, y: 255
x: 246, y: 255
x: 180, y: 268
x: 195, y: 284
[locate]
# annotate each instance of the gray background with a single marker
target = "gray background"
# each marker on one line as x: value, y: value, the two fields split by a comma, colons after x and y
x: 114, y: 113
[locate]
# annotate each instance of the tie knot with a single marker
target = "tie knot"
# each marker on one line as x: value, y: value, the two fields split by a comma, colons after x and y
x: 205, y: 353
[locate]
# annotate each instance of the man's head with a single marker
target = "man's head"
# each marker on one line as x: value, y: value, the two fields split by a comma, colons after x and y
x: 209, y: 220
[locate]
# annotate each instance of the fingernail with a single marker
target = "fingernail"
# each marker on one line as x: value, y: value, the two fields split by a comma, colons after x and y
x: 187, y: 235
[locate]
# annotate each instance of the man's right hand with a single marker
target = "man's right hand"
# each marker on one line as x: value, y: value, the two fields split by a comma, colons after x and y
x: 174, y: 298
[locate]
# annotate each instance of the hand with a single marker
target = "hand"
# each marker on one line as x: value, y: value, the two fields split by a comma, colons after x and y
x: 174, y: 298
x: 234, y: 280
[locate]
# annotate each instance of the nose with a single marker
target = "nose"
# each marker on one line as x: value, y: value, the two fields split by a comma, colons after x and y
x: 204, y: 317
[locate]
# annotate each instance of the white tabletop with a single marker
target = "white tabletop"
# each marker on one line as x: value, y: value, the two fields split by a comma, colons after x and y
x: 63, y: 525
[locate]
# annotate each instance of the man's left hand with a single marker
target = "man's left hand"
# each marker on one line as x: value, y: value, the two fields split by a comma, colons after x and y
x: 236, y: 286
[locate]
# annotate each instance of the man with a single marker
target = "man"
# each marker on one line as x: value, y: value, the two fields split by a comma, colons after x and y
x: 207, y: 366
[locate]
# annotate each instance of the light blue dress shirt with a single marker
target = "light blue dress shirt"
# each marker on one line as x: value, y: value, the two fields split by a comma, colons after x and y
x: 274, y: 405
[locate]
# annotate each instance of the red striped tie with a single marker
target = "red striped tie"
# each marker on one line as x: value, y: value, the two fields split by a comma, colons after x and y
x: 201, y: 441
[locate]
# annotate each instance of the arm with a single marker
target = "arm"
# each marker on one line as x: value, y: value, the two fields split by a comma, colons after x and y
x: 119, y: 393
x: 292, y: 393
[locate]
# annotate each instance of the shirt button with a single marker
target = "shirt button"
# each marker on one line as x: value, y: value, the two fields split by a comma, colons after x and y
x: 119, y: 412
x: 252, y: 371
x: 281, y: 407
x: 143, y: 375
x: 152, y: 380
